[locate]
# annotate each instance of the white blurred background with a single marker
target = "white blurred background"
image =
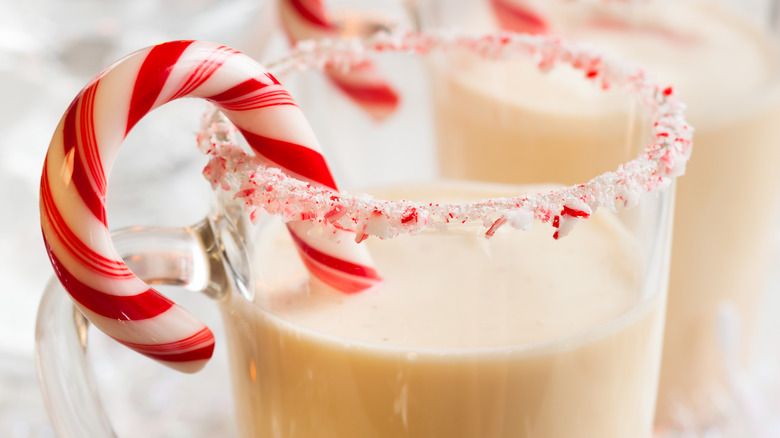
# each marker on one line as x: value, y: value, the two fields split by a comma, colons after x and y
x: 48, y: 50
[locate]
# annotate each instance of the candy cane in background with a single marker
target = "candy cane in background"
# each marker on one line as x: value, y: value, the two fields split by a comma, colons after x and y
x: 533, y: 16
x: 363, y: 84
x: 81, y: 154
x: 519, y: 16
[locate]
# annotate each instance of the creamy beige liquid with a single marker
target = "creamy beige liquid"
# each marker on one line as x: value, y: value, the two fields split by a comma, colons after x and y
x: 506, y: 124
x: 516, y: 336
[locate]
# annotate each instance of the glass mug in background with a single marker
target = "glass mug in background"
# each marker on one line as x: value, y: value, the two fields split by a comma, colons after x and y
x: 722, y: 57
x: 465, y: 335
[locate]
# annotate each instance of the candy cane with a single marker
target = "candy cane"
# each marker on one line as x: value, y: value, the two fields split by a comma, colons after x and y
x: 363, y: 84
x: 518, y: 16
x: 81, y: 154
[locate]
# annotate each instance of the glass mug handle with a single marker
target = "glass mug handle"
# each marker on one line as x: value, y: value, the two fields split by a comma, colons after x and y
x: 190, y: 258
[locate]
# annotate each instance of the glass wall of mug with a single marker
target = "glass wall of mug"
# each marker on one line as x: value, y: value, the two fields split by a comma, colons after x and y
x: 722, y: 57
x: 483, y: 326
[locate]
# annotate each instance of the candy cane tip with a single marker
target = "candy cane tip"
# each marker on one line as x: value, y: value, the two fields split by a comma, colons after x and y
x: 189, y: 354
x: 190, y: 367
x: 382, y: 113
x: 517, y: 17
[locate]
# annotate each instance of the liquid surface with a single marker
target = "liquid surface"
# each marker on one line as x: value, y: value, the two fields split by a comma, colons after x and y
x: 462, y: 290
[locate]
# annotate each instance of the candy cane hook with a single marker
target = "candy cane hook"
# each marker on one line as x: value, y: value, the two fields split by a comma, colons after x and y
x: 82, y: 152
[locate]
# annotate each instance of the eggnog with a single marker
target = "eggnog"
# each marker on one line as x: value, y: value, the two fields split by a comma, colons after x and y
x: 516, y: 336
x: 505, y: 123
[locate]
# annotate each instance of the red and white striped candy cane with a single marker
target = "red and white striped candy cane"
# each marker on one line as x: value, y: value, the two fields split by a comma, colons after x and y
x: 529, y: 16
x: 363, y: 84
x: 519, y: 16
x: 81, y: 154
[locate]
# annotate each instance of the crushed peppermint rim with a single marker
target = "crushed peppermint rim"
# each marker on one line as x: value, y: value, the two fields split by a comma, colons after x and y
x: 259, y: 186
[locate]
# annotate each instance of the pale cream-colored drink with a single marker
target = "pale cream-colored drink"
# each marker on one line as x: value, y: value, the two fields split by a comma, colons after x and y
x: 509, y: 126
x: 516, y: 336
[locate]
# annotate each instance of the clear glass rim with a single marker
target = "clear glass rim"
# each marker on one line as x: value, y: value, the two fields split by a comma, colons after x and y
x: 259, y: 186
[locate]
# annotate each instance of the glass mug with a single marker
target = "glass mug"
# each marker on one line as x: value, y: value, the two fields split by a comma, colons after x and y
x: 722, y: 57
x: 485, y: 323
